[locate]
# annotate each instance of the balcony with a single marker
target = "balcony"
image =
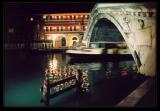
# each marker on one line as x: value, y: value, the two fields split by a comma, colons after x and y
x: 67, y: 20
x: 77, y: 31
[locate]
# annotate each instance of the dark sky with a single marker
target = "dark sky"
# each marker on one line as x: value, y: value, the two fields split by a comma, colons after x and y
x: 18, y: 15
x: 37, y: 8
x: 16, y: 12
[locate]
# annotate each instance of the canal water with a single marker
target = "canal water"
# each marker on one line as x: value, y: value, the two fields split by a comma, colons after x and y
x: 105, y: 82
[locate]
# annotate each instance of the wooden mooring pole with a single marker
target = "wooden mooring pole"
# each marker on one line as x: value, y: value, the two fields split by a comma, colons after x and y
x: 47, y: 94
x: 79, y: 82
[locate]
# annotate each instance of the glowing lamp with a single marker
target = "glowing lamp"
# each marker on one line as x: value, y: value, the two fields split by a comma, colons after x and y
x: 77, y: 27
x: 84, y: 42
x: 31, y: 19
x: 49, y: 37
x: 44, y: 17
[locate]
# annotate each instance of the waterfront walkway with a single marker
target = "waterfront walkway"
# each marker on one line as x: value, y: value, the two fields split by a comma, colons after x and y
x: 143, y: 96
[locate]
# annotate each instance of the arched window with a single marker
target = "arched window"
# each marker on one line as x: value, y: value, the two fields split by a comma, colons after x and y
x: 74, y: 38
x: 47, y: 28
x: 47, y: 17
x: 63, y: 41
x: 50, y: 17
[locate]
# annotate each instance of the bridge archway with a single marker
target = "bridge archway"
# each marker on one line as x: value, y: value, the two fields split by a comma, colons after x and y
x: 108, y: 19
x: 137, y: 24
x: 105, y: 31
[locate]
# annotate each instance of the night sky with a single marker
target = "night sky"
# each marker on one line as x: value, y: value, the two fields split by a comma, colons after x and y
x: 18, y: 15
x: 17, y: 10
x: 33, y: 8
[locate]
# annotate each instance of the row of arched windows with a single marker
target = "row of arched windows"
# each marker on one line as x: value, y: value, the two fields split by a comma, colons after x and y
x: 65, y: 17
x: 65, y: 28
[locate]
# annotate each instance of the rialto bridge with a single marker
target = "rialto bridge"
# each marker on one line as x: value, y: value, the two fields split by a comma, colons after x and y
x: 135, y: 23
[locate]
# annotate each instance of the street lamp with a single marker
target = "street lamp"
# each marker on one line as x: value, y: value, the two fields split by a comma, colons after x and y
x: 31, y: 19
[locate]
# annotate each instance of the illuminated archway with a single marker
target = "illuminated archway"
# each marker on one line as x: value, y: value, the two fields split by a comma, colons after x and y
x: 75, y: 41
x: 63, y: 41
x: 60, y: 42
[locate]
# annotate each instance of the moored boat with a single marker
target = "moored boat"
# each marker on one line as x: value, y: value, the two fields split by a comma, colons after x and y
x: 86, y: 51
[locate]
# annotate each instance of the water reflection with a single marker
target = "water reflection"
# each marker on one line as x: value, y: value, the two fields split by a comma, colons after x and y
x: 121, y: 68
x: 91, y: 73
x: 57, y: 70
x: 85, y: 81
x: 103, y: 81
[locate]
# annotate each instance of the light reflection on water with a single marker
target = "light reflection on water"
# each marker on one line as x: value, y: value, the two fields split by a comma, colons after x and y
x: 24, y: 75
x: 58, y: 69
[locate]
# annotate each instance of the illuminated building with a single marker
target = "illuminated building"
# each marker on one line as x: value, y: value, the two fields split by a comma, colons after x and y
x: 61, y: 30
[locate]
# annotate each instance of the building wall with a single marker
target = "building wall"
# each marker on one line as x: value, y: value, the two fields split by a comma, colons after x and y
x: 57, y: 39
x: 68, y: 25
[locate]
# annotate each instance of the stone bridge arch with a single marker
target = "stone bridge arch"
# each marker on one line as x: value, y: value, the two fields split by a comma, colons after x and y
x: 136, y: 23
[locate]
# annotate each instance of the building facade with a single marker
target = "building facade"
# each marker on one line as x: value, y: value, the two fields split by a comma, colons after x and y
x: 60, y: 30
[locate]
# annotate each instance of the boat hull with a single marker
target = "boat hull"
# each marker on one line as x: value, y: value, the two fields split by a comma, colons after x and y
x: 98, y: 57
x: 97, y: 54
x: 96, y: 51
